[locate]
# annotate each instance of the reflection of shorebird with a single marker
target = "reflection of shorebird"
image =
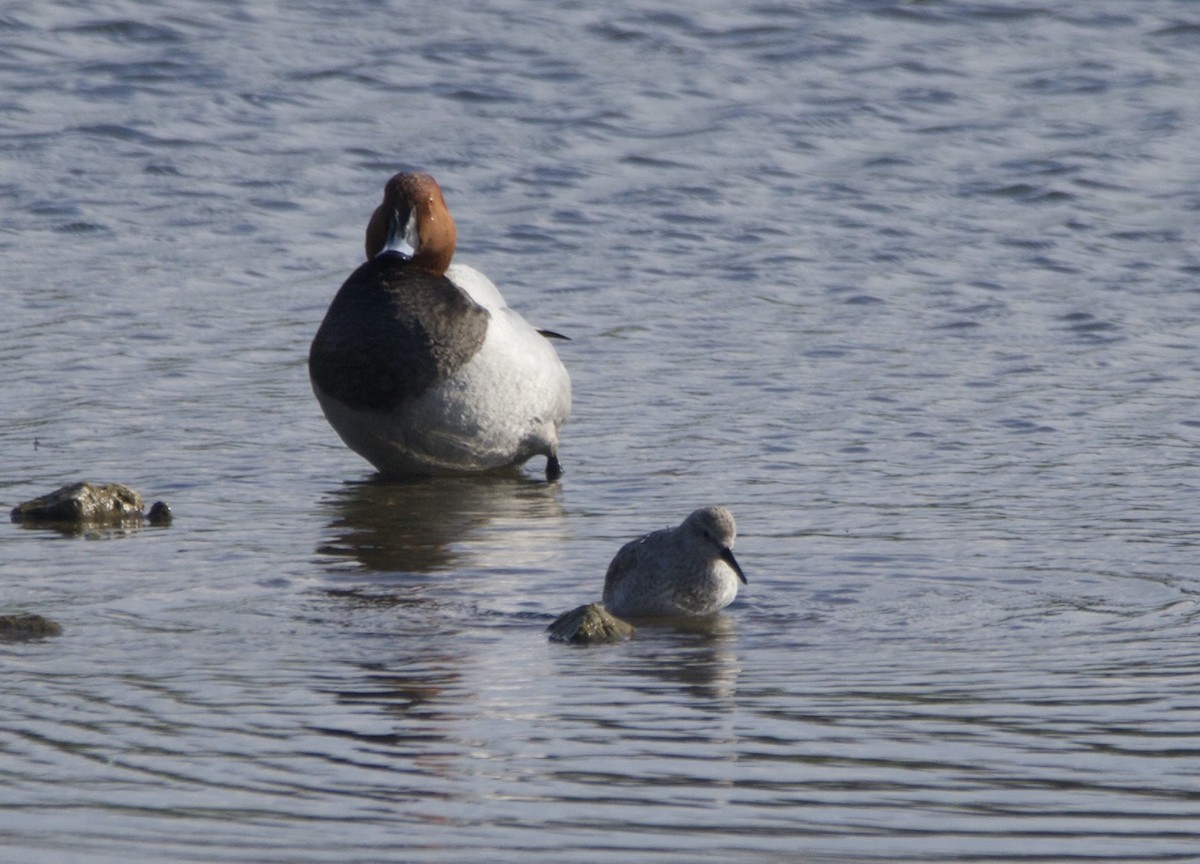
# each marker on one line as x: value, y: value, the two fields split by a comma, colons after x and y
x: 684, y: 571
x: 420, y: 366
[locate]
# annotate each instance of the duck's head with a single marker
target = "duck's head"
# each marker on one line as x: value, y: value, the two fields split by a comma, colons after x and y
x: 415, y: 220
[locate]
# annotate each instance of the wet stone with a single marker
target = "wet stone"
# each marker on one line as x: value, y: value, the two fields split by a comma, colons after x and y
x: 160, y: 514
x: 17, y: 628
x: 91, y: 503
x: 589, y: 625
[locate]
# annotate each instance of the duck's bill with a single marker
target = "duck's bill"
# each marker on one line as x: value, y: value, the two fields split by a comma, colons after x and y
x: 727, y: 557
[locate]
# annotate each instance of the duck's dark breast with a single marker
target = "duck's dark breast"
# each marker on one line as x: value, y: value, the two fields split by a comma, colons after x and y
x: 392, y: 331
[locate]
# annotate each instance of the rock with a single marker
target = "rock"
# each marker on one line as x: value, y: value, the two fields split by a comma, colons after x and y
x: 160, y: 514
x: 589, y: 625
x: 87, y: 503
x: 15, y: 628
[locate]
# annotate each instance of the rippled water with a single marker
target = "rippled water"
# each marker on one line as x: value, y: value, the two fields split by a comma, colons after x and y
x: 911, y: 287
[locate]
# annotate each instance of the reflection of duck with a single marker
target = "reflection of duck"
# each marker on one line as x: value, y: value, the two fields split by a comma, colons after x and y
x: 420, y: 366
x: 424, y: 525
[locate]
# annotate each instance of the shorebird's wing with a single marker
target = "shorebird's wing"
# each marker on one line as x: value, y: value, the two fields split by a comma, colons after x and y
x: 623, y: 564
x: 636, y: 555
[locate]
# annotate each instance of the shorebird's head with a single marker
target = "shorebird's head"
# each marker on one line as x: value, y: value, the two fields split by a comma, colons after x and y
x: 715, y: 526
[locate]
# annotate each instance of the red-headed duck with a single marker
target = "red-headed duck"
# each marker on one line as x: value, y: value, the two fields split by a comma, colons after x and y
x: 420, y: 366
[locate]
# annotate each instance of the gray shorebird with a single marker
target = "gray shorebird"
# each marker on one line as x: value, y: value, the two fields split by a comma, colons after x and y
x: 676, y: 572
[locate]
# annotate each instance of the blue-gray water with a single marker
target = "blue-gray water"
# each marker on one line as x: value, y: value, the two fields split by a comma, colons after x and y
x: 913, y: 288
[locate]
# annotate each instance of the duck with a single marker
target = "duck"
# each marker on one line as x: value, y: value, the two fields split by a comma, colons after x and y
x: 420, y: 365
x: 684, y: 572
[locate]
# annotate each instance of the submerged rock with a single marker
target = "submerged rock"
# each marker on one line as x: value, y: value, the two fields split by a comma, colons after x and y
x: 160, y: 514
x: 88, y: 503
x: 16, y: 628
x: 589, y: 625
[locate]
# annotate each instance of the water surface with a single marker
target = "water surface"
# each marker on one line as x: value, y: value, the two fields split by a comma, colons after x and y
x: 910, y: 287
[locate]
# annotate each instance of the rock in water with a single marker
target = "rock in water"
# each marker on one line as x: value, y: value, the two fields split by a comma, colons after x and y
x: 160, y: 514
x: 589, y: 625
x: 16, y: 628
x: 79, y: 503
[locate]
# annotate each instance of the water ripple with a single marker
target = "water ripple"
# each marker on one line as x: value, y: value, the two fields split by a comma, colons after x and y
x: 910, y: 287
